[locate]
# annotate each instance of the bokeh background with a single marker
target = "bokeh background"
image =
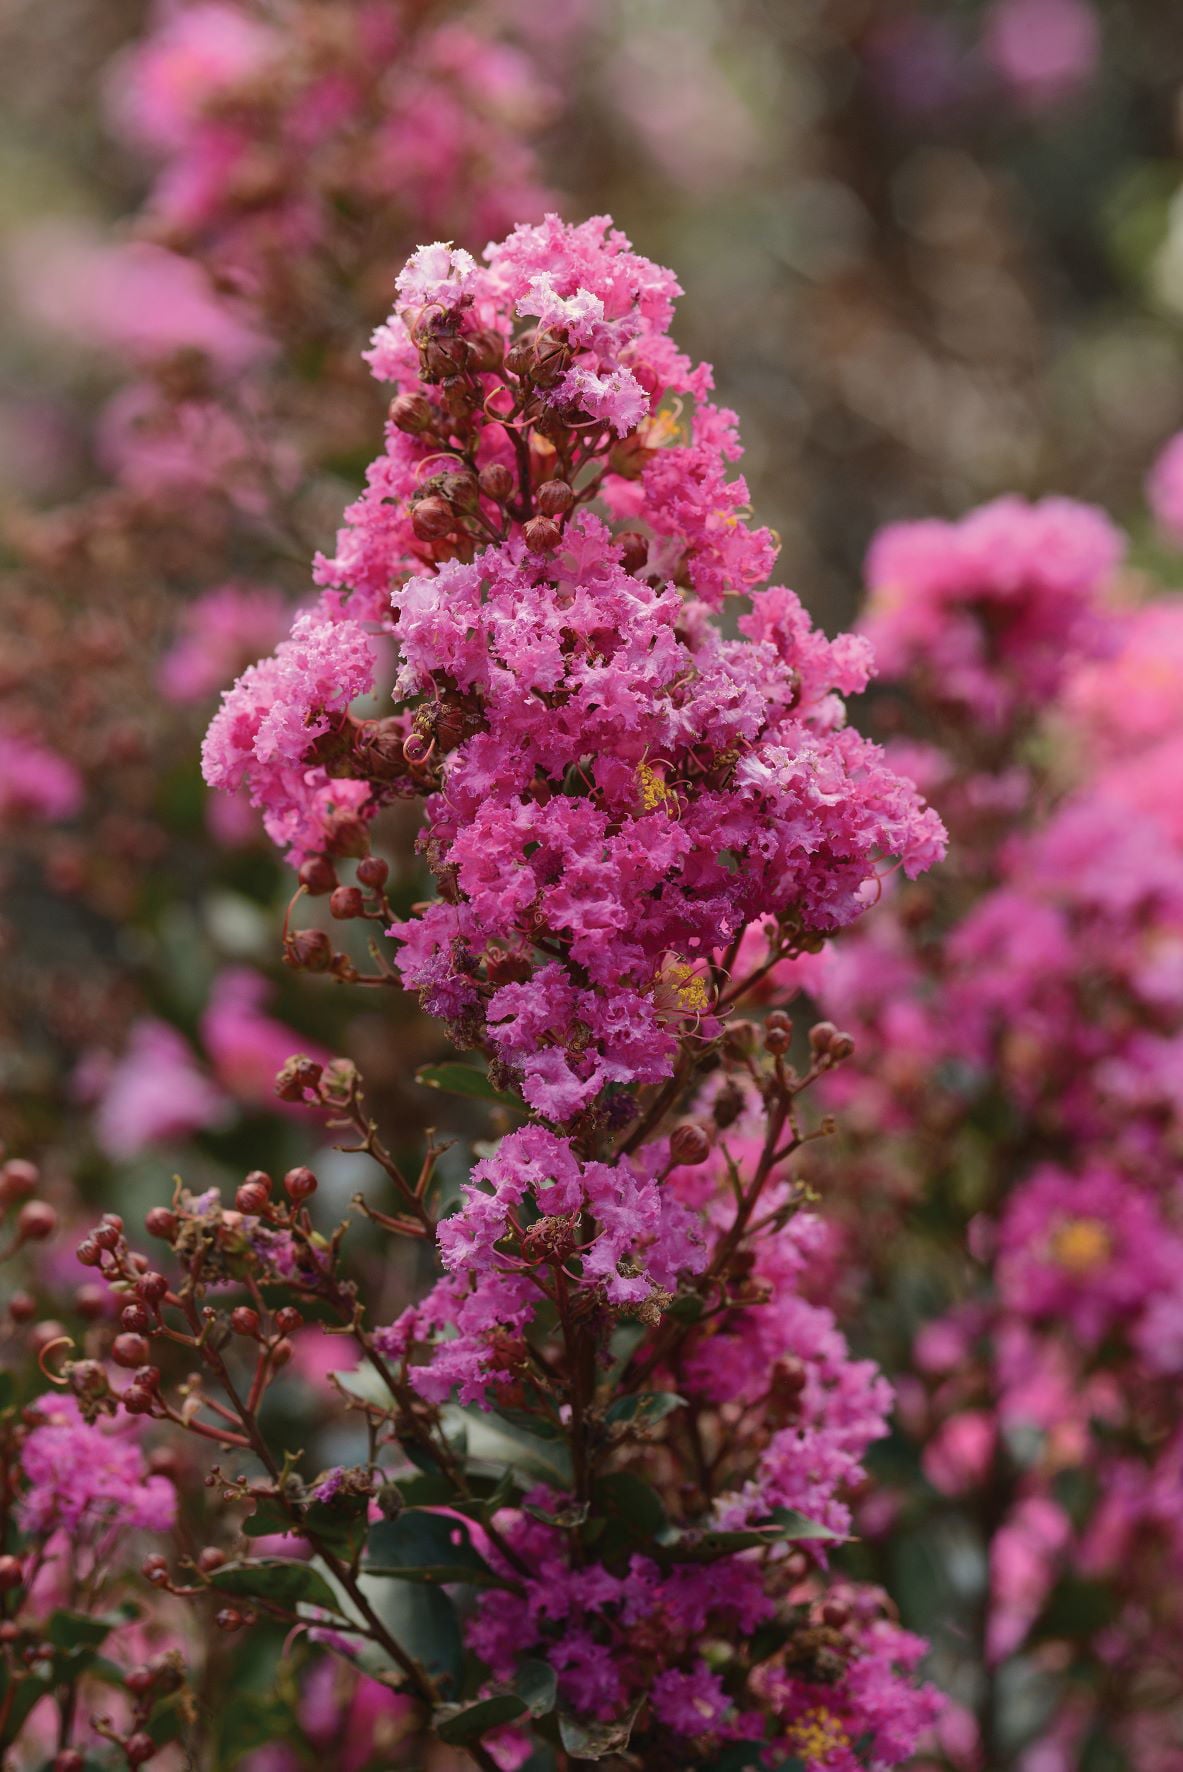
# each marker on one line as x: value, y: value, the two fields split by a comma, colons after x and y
x: 935, y: 252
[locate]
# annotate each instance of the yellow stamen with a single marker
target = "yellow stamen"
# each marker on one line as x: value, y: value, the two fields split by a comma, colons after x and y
x: 1081, y: 1245
x: 818, y: 1733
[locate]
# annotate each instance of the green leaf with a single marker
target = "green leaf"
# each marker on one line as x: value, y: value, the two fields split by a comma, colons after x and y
x: 79, y: 1630
x: 285, y: 1580
x: 465, y: 1079
x: 267, y: 1520
x: 340, y: 1524
x: 645, y: 1408
x: 537, y: 1684
x: 596, y: 1741
x: 633, y: 1510
x: 426, y: 1624
x: 783, y: 1525
x: 474, y: 1720
x: 422, y: 1546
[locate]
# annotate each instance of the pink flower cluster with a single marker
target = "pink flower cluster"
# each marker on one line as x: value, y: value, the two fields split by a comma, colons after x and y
x: 608, y: 776
x: 626, y: 799
x: 262, y: 121
x: 89, y: 1480
x: 1034, y: 1056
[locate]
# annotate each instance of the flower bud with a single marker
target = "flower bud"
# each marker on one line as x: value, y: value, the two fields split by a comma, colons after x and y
x: 432, y: 518
x: 820, y: 1036
x: 22, y: 1307
x: 373, y: 872
x: 778, y: 1019
x: 519, y: 359
x: 36, y: 1221
x: 552, y: 358
x: 634, y: 550
x: 777, y: 1041
x: 485, y: 351
x: 86, y: 1378
x: 244, y: 1320
x: 496, y: 482
x: 689, y: 1145
x: 210, y: 1558
x: 135, y: 1319
x: 130, y: 1350
x: 300, y: 1183
x: 88, y: 1252
x: 461, y: 491
x: 12, y: 1573
x: 310, y: 950
x: 151, y: 1288
x: 69, y: 1760
x: 136, y: 1400
x: 554, y: 498
x: 345, y: 903
x: 317, y: 876
x: 296, y: 1078
x: 288, y: 1319
x: 139, y: 1748
x: 251, y: 1199
x: 411, y: 413
x: 18, y: 1179
x: 542, y: 535
x: 162, y: 1223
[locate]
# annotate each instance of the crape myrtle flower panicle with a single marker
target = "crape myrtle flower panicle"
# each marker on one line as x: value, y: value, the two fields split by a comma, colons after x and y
x: 987, y: 614
x: 608, y: 777
x: 619, y: 787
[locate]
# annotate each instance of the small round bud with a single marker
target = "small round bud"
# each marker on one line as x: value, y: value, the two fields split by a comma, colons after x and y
x: 300, y: 1183
x: 345, y: 903
x: 373, y: 872
x: 69, y: 1760
x: 36, y: 1221
x: 12, y: 1574
x: 210, y: 1558
x: 88, y: 1252
x: 251, y: 1199
x: 243, y: 1320
x: 139, y: 1681
x: 820, y: 1037
x: 22, y: 1307
x: 554, y: 498
x: 727, y: 1106
x: 105, y: 1236
x: 151, y: 1288
x: 139, y: 1749
x: 634, y: 550
x: 542, y: 535
x: 114, y: 1220
x: 18, y: 1179
x: 130, y: 1350
x: 162, y: 1223
x: 148, y: 1378
x: 41, y: 1334
x: 778, y: 1019
x: 689, y: 1144
x: 485, y: 351
x: 229, y: 1618
x: 281, y: 1353
x: 552, y: 357
x: 841, y: 1048
x: 288, y: 1319
x: 496, y: 482
x: 136, y: 1400
x: 519, y: 359
x: 317, y: 876
x: 411, y: 413
x: 135, y: 1319
x: 310, y: 949
x: 432, y: 518
x: 91, y: 1302
x: 777, y: 1041
x: 155, y: 1569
